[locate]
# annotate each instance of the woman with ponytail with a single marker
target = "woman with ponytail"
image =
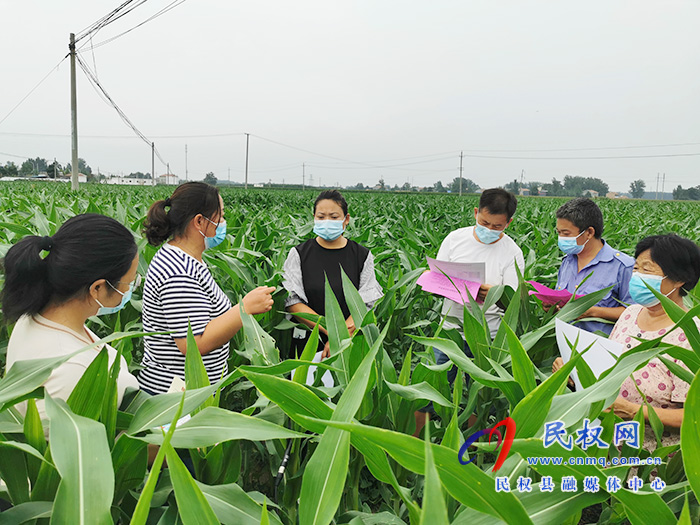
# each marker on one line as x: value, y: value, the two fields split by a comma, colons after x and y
x: 53, y: 284
x: 180, y: 290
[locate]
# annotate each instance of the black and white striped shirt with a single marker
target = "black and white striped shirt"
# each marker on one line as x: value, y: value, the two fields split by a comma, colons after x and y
x: 178, y: 289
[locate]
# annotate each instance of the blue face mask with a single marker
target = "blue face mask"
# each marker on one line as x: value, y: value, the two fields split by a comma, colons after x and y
x: 640, y: 293
x: 329, y: 230
x: 485, y: 235
x: 126, y: 297
x: 219, y: 236
x: 569, y: 245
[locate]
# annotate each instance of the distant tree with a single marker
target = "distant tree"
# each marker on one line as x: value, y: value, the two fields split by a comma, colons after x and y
x: 468, y: 185
x: 438, y: 187
x: 535, y: 188
x: 406, y: 186
x: 54, y: 170
x: 382, y: 186
x: 637, y: 188
x: 690, y: 194
x: 513, y: 187
x: 209, y: 178
x: 9, y: 170
x: 555, y: 188
x: 82, y: 167
x: 359, y: 186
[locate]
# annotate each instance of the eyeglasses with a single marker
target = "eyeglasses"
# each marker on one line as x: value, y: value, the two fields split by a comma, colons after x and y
x: 132, y: 285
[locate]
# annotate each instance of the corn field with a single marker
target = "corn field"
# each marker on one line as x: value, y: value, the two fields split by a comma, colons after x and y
x: 351, y: 455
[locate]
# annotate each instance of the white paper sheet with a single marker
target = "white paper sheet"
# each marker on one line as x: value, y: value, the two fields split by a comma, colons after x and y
x: 601, y: 356
x: 326, y: 379
x: 475, y: 272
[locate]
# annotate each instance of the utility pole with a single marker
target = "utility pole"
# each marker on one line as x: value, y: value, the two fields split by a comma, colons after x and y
x: 73, y: 116
x: 185, y: 164
x: 663, y: 184
x: 229, y: 175
x: 461, y: 154
x: 303, y: 175
x: 247, y: 142
x: 153, y: 162
x: 54, y: 168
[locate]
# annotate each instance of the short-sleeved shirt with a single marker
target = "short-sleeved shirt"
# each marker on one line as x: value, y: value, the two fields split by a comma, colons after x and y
x: 35, y: 337
x: 499, y: 258
x: 178, y: 290
x: 660, y: 387
x: 308, y: 265
x: 608, y: 268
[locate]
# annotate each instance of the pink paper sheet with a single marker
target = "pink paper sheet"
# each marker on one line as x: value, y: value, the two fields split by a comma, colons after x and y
x: 549, y: 296
x: 439, y: 284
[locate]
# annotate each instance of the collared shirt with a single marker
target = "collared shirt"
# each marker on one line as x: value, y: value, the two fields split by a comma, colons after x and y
x: 608, y: 268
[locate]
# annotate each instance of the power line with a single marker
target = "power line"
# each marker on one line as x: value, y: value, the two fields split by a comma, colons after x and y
x: 110, y: 137
x: 586, y: 158
x: 167, y: 8
x: 53, y: 69
x: 96, y: 83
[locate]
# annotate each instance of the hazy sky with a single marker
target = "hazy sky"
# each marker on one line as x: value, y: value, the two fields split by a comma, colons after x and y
x: 370, y: 89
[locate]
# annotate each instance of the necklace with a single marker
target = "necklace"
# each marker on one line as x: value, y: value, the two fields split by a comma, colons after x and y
x: 67, y: 331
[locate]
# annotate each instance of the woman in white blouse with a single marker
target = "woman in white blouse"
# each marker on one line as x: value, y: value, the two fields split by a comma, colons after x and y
x: 89, y: 269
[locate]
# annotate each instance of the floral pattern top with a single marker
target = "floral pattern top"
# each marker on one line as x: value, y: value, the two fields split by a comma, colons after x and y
x: 657, y: 383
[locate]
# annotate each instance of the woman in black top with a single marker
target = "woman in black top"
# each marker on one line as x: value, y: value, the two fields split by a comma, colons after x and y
x: 309, y: 263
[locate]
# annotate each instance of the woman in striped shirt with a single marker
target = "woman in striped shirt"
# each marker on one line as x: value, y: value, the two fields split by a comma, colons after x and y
x: 180, y: 289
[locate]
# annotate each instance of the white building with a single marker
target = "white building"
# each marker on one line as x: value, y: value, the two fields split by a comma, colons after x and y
x: 168, y: 179
x: 128, y: 181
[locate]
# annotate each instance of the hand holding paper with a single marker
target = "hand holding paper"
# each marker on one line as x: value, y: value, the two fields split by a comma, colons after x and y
x: 460, y: 275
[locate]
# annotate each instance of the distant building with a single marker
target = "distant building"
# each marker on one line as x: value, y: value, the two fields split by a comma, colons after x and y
x: 525, y: 192
x: 128, y: 181
x: 591, y: 193
x: 169, y: 179
x: 543, y: 193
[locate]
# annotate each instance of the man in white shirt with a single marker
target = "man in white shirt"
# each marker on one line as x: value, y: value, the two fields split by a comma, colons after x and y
x: 487, y: 243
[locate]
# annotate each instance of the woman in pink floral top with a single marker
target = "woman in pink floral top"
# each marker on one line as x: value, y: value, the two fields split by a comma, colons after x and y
x: 671, y: 265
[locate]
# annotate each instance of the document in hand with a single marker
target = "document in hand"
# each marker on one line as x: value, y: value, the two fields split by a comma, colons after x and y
x: 602, y: 355
x: 549, y: 296
x: 326, y: 378
x: 464, y: 276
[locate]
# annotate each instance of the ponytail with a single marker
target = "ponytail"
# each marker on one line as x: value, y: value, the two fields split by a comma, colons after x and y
x: 157, y: 226
x: 187, y: 201
x: 27, y: 287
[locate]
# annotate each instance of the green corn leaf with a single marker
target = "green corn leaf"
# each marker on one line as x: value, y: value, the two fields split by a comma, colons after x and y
x: 233, y: 506
x: 141, y: 511
x: 434, y: 510
x: 337, y: 332
x: 324, y: 479
x: 81, y: 455
x: 192, y: 505
x: 159, y: 410
x: 26, y: 512
x: 310, y: 349
x: 213, y: 425
x: 358, y: 308
x: 86, y: 399
x: 420, y: 391
x: 690, y: 437
x: 523, y: 369
x: 467, y: 484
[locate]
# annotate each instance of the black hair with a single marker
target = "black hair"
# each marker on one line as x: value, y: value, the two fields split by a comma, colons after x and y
x: 335, y: 196
x: 86, y: 248
x: 679, y: 258
x: 582, y: 213
x: 498, y: 202
x: 187, y: 201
